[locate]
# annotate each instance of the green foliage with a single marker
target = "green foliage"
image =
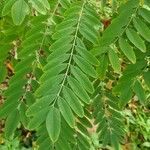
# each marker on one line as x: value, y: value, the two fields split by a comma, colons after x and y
x: 137, y: 124
x: 67, y: 71
x: 19, y: 11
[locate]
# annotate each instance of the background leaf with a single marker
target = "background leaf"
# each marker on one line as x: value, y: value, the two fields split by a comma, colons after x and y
x: 19, y: 10
x: 11, y: 124
x: 114, y: 60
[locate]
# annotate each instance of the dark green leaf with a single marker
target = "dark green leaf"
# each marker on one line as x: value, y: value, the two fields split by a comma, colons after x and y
x: 127, y: 50
x: 147, y: 78
x: 11, y: 123
x: 135, y: 39
x: 139, y: 91
x: 114, y: 60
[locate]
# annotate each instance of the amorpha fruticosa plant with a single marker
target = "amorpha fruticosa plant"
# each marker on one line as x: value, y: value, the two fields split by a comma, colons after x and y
x: 71, y: 65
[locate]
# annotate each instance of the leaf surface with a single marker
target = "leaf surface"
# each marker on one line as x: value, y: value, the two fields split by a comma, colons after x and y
x: 53, y: 123
x: 19, y: 10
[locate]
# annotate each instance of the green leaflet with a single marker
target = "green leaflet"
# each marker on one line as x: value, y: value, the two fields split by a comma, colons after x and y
x: 85, y: 66
x: 7, y: 7
x: 45, y: 3
x: 90, y: 15
x: 86, y: 122
x: 50, y: 83
x: 114, y: 60
x: 83, y: 141
x: 38, y: 118
x: 30, y: 99
x: 99, y: 50
x: 114, y: 141
x: 102, y: 68
x: 20, y: 74
x: 88, y: 113
x: 87, y: 56
x: 53, y: 123
x: 59, y: 45
x: 15, y: 95
x: 99, y: 117
x: 22, y: 112
x: 11, y: 123
x: 63, y: 144
x: 45, y: 144
x: 127, y: 50
x: 69, y: 133
x: 40, y: 6
x: 19, y: 84
x: 139, y: 91
x: 117, y: 26
x: 92, y: 19
x: 7, y: 108
x: 73, y: 11
x: 65, y: 3
x: 52, y: 72
x: 82, y: 50
x: 66, y: 112
x: 73, y: 101
x: 66, y: 31
x: 88, y: 32
x: 81, y: 145
x: 82, y: 78
x: 40, y: 104
x: 65, y: 24
x: 79, y: 90
x: 56, y: 61
x: 22, y: 65
x: 4, y: 51
x: 136, y: 40
x: 103, y: 128
x: 43, y: 136
x: 27, y: 42
x: 35, y: 29
x: 147, y: 78
x: 142, y: 28
x: 106, y: 138
x: 18, y: 11
x: 82, y: 129
x: 59, y: 51
x: 125, y: 92
x: 145, y: 14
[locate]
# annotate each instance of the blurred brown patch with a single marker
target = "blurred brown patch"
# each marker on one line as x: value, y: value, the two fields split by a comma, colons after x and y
x: 106, y: 23
x: 9, y: 67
